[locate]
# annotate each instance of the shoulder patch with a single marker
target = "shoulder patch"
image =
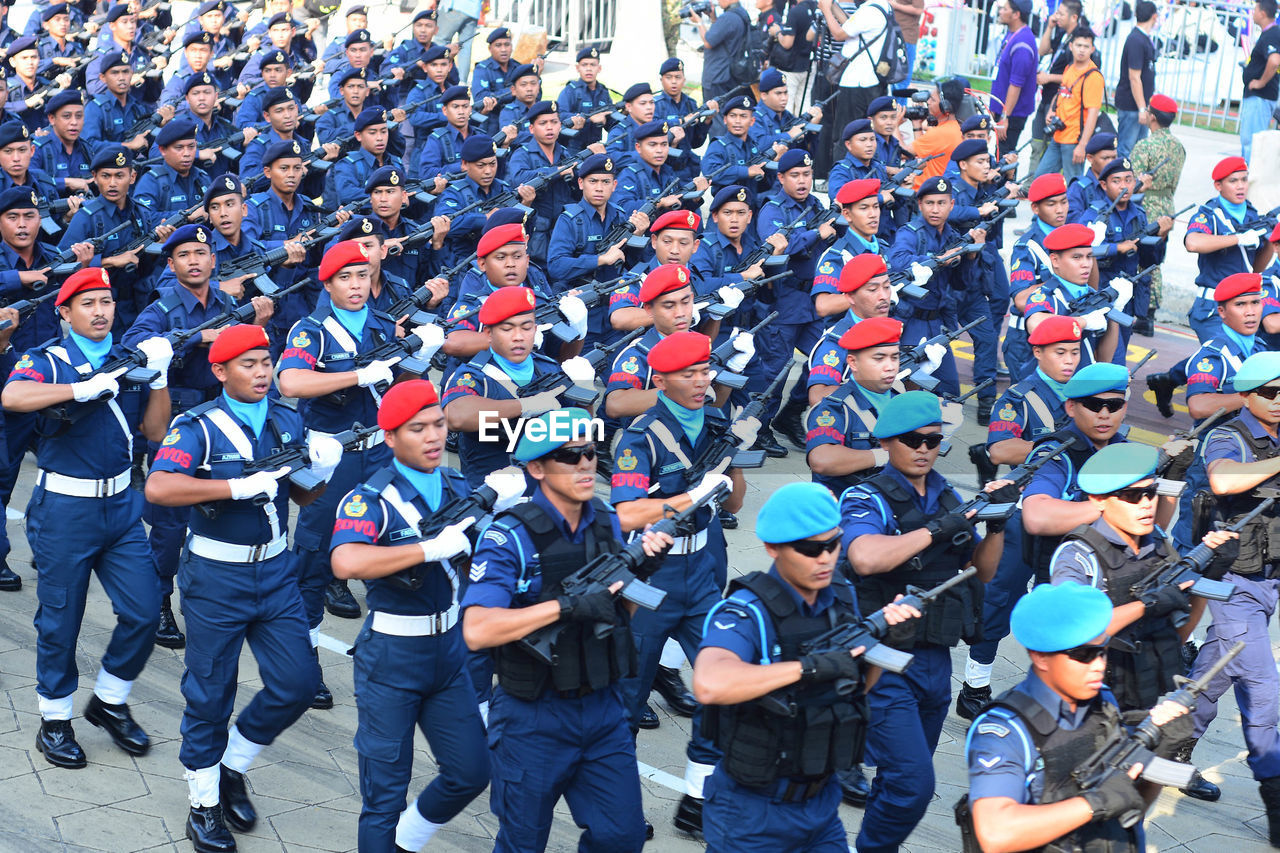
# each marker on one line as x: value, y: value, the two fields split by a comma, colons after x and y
x: 301, y: 340
x: 1007, y: 413
x: 171, y: 438
x: 497, y: 537
x: 993, y: 729
x: 826, y: 419
x: 627, y: 461
x: 355, y: 507
x: 24, y: 362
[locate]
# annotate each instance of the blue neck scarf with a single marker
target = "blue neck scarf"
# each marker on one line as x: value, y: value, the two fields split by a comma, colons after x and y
x: 1044, y: 227
x: 352, y: 321
x: 253, y: 414
x: 872, y: 245
x: 521, y: 374
x: 691, y: 420
x: 95, y: 351
x: 1244, y: 342
x: 877, y: 401
x: 1059, y: 388
x: 1237, y: 211
x: 1075, y: 291
x: 428, y: 483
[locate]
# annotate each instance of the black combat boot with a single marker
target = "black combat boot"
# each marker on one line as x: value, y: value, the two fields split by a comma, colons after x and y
x: 1270, y: 790
x: 972, y: 700
x: 167, y: 633
x: 1200, y: 787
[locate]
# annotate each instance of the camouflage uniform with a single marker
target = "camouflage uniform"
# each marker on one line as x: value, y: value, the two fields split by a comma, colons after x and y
x: 1158, y: 200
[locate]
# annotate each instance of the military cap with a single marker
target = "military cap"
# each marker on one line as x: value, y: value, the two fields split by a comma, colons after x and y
x: 499, y: 33
x: 859, y: 270
x: 505, y: 303
x: 384, y: 176
x: 64, y: 98
x: 542, y: 108
x: 208, y: 6
x: 650, y: 129
x: 770, y: 79
x: 797, y: 511
x: 978, y: 121
x: 53, y: 9
x: 111, y: 59
x: 664, y: 279
x: 347, y: 253
x: 191, y: 233
x: 434, y: 53
x: 592, y: 52
x: 13, y: 131
x: 223, y: 185
x: 1055, y: 329
x: 20, y: 45
x: 969, y: 148
x: 1073, y: 235
x: 1047, y: 186
x: 370, y: 116
x: 882, y: 104
x: 1163, y: 104
x: 404, y: 400
x: 680, y: 220
x: 495, y: 238
x: 1100, y: 142
x: 670, y: 65
x: 1257, y: 370
x: 350, y: 73
x: 357, y: 37
x: 89, y: 278
x: 111, y: 157
x: 872, y: 332
x: 195, y: 81
x: 733, y: 192
x: 857, y: 190
x: 362, y: 226
x: 855, y: 128
x: 526, y: 70
x: 793, y: 158
x: 276, y: 95
x: 117, y: 12
x: 276, y: 56
x: 282, y: 149
x: 477, y: 147
x: 636, y: 91
x: 906, y: 413
x: 934, y: 186
x: 1237, y: 284
x: 505, y: 216
x: 679, y: 351
x: 201, y: 37
x: 18, y: 198
x: 455, y: 93
x: 357, y: 10
x: 1225, y: 167
x: 550, y: 431
x: 1057, y: 617
x: 740, y: 103
x: 1120, y: 164
x: 280, y: 18
x: 425, y: 14
x: 175, y: 131
x: 596, y: 164
x: 1116, y: 467
x: 1097, y: 378
x: 235, y: 341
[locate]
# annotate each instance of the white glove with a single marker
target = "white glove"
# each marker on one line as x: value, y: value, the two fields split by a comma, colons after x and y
x: 324, y: 453
x: 731, y: 296
x: 933, y: 355
x: 1124, y: 292
x: 509, y: 483
x: 952, y: 418
x: 1250, y: 239
x: 574, y: 311
x: 375, y: 373
x: 880, y: 457
x: 1099, y: 230
x: 746, y: 431
x: 920, y: 274
x: 744, y: 344
x: 579, y: 370
x: 159, y: 353
x: 538, y: 336
x: 265, y: 483
x: 546, y: 401
x: 1095, y: 321
x: 101, y: 386
x: 708, y: 485
x: 432, y: 337
x: 449, y: 542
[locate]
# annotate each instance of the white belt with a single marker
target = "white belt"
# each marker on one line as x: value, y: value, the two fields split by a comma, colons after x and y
x: 226, y: 552
x: 76, y: 487
x: 415, y: 626
x: 1207, y: 293
x: 371, y: 440
x: 1017, y: 321
x: 689, y: 544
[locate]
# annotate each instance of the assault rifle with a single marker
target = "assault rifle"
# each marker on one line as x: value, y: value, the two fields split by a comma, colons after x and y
x: 966, y: 244
x: 65, y: 263
x: 913, y: 358
x: 475, y: 506
x: 559, y: 382
x: 721, y: 355
x: 1175, y: 467
x: 1151, y: 234
x: 420, y: 298
x: 27, y: 307
x: 51, y: 210
x: 1104, y: 300
x: 570, y: 132
x: 722, y: 453
x: 805, y: 119
x: 625, y: 231
x: 631, y: 566
x: 715, y: 307
x: 176, y: 220
x: 298, y: 462
x: 1126, y: 748
x: 868, y: 632
x: 1266, y: 220
x: 258, y: 265
x: 908, y: 170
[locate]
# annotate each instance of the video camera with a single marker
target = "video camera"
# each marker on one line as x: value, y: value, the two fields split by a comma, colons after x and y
x: 695, y: 7
x: 918, y: 106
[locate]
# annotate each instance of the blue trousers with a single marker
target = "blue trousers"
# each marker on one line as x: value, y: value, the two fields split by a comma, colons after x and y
x: 1128, y: 131
x: 224, y: 605
x: 1017, y: 353
x: 71, y: 538
x: 915, y: 330
x: 1057, y: 158
x: 970, y: 307
x: 1253, y: 672
x: 1206, y: 325
x: 907, y: 712
x: 1255, y: 116
x: 1002, y: 592
x: 737, y: 819
x: 776, y: 344
x: 579, y: 749
x: 19, y: 437
x: 403, y: 683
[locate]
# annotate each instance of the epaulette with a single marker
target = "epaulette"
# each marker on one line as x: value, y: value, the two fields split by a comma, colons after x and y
x: 641, y: 423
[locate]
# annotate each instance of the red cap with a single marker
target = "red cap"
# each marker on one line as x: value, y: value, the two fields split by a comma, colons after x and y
x: 404, y: 400
x: 1275, y: 234
x: 1229, y: 166
x: 857, y: 190
x: 344, y: 254
x: 1237, y: 284
x: 1047, y: 186
x: 678, y: 351
x: 1071, y: 236
x: 89, y: 278
x: 860, y: 270
x: 505, y: 303
x: 664, y: 279
x: 681, y: 220
x: 872, y: 332
x: 235, y: 341
x: 1163, y: 103
x: 498, y: 237
x: 1054, y: 329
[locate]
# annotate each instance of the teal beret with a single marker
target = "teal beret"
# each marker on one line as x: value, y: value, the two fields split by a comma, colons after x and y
x: 1054, y: 618
x: 1097, y: 378
x: 552, y: 430
x: 797, y: 511
x: 1257, y: 371
x: 907, y: 412
x: 1117, y: 466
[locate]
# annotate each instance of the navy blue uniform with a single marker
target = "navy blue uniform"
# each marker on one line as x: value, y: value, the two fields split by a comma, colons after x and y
x: 53, y: 158
x: 1214, y: 218
x: 166, y: 192
x: 727, y: 149
x: 683, y: 157
x: 1028, y: 267
x: 98, y: 216
x: 578, y: 99
x: 524, y: 164
x: 107, y: 120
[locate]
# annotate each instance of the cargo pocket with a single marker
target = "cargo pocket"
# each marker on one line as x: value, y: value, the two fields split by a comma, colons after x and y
x: 379, y: 748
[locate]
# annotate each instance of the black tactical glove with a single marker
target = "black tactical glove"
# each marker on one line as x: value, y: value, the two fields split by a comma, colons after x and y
x: 829, y: 666
x: 1006, y: 494
x: 597, y: 606
x: 946, y: 528
x: 1114, y: 797
x: 1164, y: 600
x: 1180, y: 464
x: 1224, y: 557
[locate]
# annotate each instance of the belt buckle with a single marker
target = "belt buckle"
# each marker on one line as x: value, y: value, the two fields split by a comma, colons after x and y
x: 257, y: 553
x: 101, y: 487
x: 437, y: 626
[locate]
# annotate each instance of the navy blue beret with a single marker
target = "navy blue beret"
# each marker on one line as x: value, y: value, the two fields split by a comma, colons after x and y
x: 280, y: 149
x: 504, y: 216
x: 636, y: 90
x: 793, y: 158
x: 934, y: 186
x: 357, y: 37
x: 62, y: 99
x: 427, y: 14
x: 1057, y: 617
x: 350, y: 73
x: 650, y: 129
x: 175, y: 131
x: 542, y: 108
x: 208, y: 6
x: 1100, y: 141
x: 200, y: 37
x: 434, y: 53
x: 981, y: 121
x: 357, y: 10
x: 455, y: 93
x: 223, y: 185
x: 280, y: 18
x: 110, y: 157
x: 370, y: 116
x: 770, y: 79
x: 477, y: 147
x: 19, y: 45
x: 672, y: 64
x: 592, y: 52
x: 193, y: 233
x: 13, y: 131
x: 113, y: 59
x: 519, y: 71
x: 499, y: 33
x: 201, y: 79
x: 855, y: 127
x: 882, y: 104
x: 596, y: 164
x: 386, y: 176
x: 276, y: 56
x: 1120, y: 164
x: 18, y: 198
x: 797, y: 511
x: 969, y: 148
x: 276, y: 95
x: 117, y: 12
x: 742, y: 103
x: 733, y: 192
x: 53, y: 9
x: 361, y: 226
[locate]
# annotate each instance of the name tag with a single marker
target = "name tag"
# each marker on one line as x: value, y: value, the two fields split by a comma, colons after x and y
x: 226, y: 457
x: 667, y: 469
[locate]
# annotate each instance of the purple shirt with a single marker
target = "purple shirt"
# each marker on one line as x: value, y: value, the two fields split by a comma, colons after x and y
x: 1016, y: 66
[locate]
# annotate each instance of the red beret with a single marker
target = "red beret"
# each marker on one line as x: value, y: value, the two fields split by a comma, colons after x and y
x: 1055, y: 329
x: 235, y: 341
x: 1163, y: 103
x: 861, y: 270
x: 403, y: 401
x: 498, y: 237
x: 344, y: 254
x: 857, y: 190
x: 678, y: 351
x: 1071, y: 236
x: 89, y: 278
x: 1229, y: 166
x: 1275, y: 234
x: 664, y: 279
x: 505, y: 303
x: 1237, y: 284
x: 681, y: 220
x: 872, y: 332
x: 1047, y: 186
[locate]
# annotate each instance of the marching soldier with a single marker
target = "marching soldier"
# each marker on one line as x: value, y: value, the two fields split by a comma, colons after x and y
x: 177, y: 183
x: 64, y: 154
x: 864, y: 286
x: 672, y: 105
x: 1029, y: 266
x: 1160, y: 146
x: 587, y: 94
x: 346, y: 179
x: 1071, y: 261
x: 538, y: 154
x: 1085, y: 191
x: 637, y: 110
x: 860, y: 205
x: 442, y: 149
x: 108, y: 117
x: 735, y: 148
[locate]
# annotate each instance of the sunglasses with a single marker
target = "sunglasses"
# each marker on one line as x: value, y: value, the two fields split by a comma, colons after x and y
x: 815, y: 547
x: 1135, y: 494
x: 1086, y: 654
x: 573, y: 455
x: 1097, y: 404
x: 1267, y: 392
x: 915, y: 439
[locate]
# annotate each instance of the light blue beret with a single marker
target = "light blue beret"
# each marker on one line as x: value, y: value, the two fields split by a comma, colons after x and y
x: 907, y: 412
x: 1054, y: 618
x: 1117, y: 466
x: 552, y: 430
x: 1257, y: 371
x: 797, y: 511
x: 1097, y: 378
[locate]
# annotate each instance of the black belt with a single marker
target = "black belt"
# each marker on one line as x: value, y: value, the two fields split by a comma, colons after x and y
x: 573, y: 694
x: 926, y: 315
x: 799, y: 790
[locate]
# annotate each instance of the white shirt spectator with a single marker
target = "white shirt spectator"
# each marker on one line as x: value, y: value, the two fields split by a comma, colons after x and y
x: 867, y: 28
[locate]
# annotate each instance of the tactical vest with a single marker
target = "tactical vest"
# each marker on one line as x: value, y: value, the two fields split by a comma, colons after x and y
x: 827, y: 731
x: 1141, y: 676
x: 1037, y: 551
x: 1260, y: 539
x: 1061, y: 752
x: 958, y: 614
x: 583, y: 662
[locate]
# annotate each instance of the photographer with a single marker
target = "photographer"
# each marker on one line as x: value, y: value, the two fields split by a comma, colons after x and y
x: 724, y: 38
x: 1053, y: 43
x: 1075, y: 113
x: 862, y: 32
x: 789, y: 44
